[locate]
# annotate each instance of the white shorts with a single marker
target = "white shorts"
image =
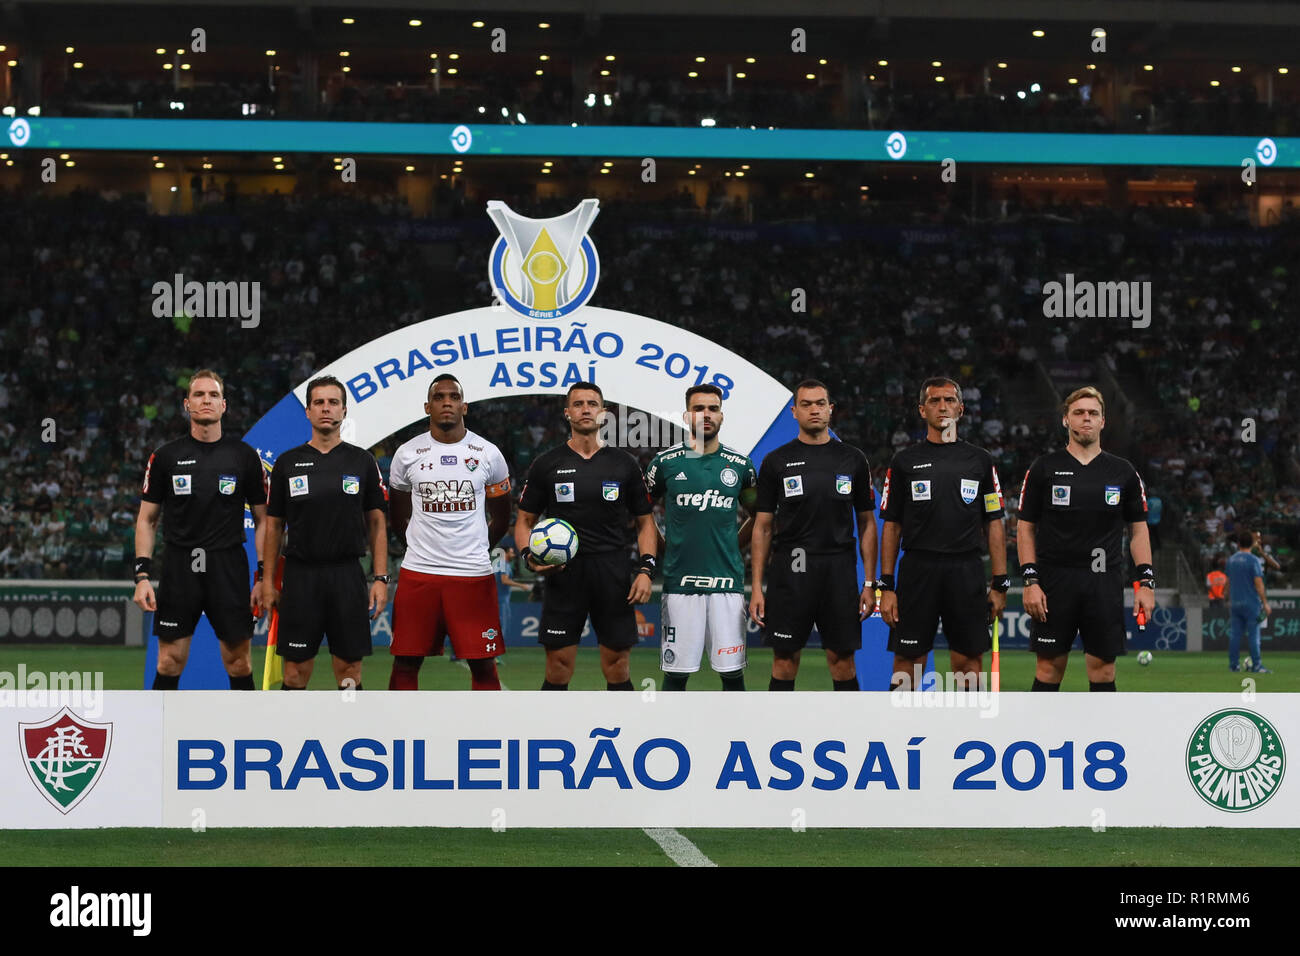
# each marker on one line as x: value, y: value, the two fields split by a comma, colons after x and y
x: 694, y: 623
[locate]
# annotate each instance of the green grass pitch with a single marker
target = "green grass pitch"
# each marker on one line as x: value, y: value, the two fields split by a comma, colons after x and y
x: 523, y: 668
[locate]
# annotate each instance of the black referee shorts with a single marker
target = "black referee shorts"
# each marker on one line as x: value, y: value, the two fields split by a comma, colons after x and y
x: 950, y: 587
x: 221, y: 591
x: 1083, y: 602
x: 595, y: 585
x: 824, y: 593
x: 324, y: 600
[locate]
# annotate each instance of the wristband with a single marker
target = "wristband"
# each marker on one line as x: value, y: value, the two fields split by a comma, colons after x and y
x: 886, y: 582
x: 383, y: 578
x: 1001, y: 583
x: 1029, y: 574
x: 1146, y: 576
x: 143, y: 566
x: 648, y: 564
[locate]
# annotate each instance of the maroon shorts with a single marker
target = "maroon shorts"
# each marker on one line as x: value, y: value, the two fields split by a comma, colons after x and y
x: 429, y: 607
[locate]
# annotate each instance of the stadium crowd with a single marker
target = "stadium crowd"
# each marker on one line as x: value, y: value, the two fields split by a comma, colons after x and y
x: 669, y: 100
x: 94, y: 378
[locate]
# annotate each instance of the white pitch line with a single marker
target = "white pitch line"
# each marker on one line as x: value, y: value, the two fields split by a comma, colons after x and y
x: 679, y: 849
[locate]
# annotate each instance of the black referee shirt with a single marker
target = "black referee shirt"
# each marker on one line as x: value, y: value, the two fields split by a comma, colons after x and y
x: 815, y: 491
x: 598, y: 496
x: 202, y: 487
x: 942, y: 493
x: 323, y: 498
x: 1077, y: 508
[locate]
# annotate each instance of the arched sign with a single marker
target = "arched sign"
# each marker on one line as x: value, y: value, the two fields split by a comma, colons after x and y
x: 530, y: 343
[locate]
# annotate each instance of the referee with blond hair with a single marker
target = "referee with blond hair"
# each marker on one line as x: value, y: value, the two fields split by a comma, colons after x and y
x: 1075, y: 504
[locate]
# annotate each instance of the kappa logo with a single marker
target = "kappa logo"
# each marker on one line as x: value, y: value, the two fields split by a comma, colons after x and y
x: 65, y: 757
x: 1235, y: 760
x: 544, y: 268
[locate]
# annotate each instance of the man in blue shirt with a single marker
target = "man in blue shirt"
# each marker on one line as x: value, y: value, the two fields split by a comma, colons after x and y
x: 1247, y: 605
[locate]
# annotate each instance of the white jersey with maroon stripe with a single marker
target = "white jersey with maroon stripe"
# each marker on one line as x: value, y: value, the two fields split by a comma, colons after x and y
x: 448, y: 485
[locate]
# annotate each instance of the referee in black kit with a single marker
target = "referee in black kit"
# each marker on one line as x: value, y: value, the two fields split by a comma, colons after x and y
x: 601, y: 492
x: 1074, y: 505
x: 942, y: 501
x: 203, y: 480
x: 810, y: 489
x: 333, y: 499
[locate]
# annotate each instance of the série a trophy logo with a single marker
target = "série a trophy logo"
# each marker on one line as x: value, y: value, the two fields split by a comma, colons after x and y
x: 544, y: 268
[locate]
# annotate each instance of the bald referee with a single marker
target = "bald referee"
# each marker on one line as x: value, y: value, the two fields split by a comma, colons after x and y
x: 809, y: 491
x: 942, y: 501
x: 202, y: 482
x: 1074, y: 506
x: 332, y: 499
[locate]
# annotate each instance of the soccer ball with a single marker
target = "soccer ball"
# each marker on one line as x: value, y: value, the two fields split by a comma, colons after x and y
x: 1144, y: 658
x: 553, y: 541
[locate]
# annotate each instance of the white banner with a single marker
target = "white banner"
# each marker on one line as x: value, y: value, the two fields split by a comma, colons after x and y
x: 637, y: 361
x: 588, y: 759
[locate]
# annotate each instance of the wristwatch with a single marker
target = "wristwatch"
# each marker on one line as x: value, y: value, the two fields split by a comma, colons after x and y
x: 379, y: 577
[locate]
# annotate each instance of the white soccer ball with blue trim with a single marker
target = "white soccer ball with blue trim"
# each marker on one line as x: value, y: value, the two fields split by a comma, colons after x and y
x: 553, y: 541
x: 1145, y: 658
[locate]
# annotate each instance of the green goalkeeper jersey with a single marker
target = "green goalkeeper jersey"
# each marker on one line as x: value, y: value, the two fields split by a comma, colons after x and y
x: 701, y: 500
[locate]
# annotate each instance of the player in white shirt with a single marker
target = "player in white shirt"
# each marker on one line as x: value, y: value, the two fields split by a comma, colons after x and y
x: 441, y: 484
